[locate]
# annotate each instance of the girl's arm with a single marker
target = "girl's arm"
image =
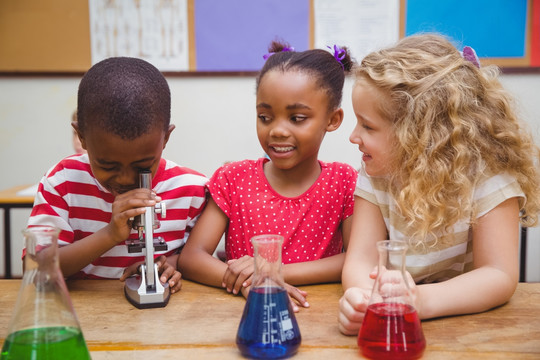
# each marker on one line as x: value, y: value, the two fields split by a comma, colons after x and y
x: 196, y: 261
x: 496, y: 269
x: 323, y: 270
x: 367, y: 228
x: 361, y: 258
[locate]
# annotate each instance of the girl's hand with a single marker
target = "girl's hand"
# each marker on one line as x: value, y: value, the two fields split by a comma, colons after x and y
x: 392, y: 287
x: 298, y: 295
x: 125, y: 207
x: 239, y: 274
x: 295, y: 295
x: 352, y: 308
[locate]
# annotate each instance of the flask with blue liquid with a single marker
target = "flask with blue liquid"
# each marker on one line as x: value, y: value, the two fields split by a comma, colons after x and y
x: 268, y: 328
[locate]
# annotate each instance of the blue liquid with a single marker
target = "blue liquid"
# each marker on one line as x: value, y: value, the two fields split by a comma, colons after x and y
x: 268, y: 328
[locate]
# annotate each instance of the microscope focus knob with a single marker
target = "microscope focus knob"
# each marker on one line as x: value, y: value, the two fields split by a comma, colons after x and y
x: 161, y: 208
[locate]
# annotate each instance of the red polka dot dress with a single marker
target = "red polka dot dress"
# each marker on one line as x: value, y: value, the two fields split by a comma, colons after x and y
x: 309, y: 223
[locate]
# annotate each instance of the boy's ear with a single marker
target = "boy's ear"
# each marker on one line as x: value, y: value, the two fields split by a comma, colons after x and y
x: 168, y: 134
x: 336, y: 118
x: 75, y: 126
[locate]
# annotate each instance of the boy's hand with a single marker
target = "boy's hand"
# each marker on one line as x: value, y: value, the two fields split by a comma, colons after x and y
x: 125, y: 207
x: 167, y: 271
x: 239, y: 274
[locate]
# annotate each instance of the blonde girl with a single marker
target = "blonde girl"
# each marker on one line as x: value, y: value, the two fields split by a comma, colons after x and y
x: 447, y: 167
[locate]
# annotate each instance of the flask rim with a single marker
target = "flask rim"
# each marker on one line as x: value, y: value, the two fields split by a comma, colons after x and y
x: 47, y: 229
x: 392, y: 245
x: 266, y: 239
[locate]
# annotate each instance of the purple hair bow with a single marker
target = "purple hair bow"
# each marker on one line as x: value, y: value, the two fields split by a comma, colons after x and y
x: 266, y: 56
x: 469, y: 54
x: 339, y: 55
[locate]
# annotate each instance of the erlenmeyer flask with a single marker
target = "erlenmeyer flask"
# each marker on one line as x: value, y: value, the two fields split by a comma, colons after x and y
x: 268, y: 328
x: 391, y: 328
x: 43, y: 325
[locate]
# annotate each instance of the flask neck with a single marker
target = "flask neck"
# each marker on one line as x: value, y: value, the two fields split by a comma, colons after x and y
x: 391, y: 284
x: 392, y: 256
x: 267, y: 258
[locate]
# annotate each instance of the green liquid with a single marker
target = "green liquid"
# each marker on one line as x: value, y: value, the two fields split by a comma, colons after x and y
x: 45, y: 343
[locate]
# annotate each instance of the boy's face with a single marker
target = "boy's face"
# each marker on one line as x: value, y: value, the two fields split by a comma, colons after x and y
x: 116, y: 162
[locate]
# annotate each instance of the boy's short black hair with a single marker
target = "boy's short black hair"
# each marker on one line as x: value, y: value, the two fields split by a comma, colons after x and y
x: 125, y: 96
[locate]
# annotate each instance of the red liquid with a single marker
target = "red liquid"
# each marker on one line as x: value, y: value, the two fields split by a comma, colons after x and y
x: 391, y: 331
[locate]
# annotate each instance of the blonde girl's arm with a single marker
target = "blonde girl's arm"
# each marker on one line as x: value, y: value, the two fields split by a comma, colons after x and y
x: 496, y: 269
x: 196, y: 261
x: 368, y: 227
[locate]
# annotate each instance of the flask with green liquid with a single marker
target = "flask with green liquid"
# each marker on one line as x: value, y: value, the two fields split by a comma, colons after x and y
x: 43, y: 325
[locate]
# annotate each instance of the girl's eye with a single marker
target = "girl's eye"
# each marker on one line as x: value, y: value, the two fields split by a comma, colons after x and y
x: 366, y: 127
x: 107, y: 168
x: 263, y: 118
x: 298, y: 118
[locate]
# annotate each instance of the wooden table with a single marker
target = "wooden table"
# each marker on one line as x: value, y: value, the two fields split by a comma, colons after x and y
x: 200, y: 322
x: 10, y: 200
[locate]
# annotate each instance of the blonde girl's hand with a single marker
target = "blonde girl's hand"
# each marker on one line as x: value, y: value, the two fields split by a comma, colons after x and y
x: 125, y: 207
x: 392, y: 287
x: 352, y: 309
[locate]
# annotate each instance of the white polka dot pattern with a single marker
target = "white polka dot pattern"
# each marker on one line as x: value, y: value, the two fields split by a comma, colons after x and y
x: 309, y: 223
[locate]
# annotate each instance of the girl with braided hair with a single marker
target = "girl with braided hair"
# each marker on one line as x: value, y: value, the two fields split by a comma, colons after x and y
x: 290, y: 192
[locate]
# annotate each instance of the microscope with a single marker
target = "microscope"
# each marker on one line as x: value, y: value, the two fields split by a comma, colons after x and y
x: 147, y: 291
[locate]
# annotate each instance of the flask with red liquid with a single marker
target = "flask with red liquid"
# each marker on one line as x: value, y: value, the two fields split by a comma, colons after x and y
x: 268, y: 328
x: 391, y: 328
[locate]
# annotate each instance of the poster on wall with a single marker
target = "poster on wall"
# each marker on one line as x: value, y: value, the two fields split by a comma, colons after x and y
x: 361, y: 25
x: 494, y: 28
x: 156, y: 31
x: 234, y: 35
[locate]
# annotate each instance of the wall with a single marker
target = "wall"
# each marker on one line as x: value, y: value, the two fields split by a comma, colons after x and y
x: 215, y: 122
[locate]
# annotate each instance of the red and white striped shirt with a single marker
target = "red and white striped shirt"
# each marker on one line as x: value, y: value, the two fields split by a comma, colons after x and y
x: 69, y: 197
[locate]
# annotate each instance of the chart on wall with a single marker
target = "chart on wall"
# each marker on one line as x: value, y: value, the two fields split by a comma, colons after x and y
x: 156, y: 31
x: 365, y: 26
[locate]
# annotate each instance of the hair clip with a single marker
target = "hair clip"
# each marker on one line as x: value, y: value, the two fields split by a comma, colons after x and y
x: 469, y: 54
x: 339, y: 54
x: 266, y: 56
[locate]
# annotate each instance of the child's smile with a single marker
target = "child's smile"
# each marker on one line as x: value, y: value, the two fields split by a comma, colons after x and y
x: 292, y: 118
x: 373, y: 133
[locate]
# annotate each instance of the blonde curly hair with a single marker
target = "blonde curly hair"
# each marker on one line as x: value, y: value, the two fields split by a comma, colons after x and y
x: 453, y: 124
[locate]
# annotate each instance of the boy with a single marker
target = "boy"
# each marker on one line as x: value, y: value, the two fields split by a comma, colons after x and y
x: 123, y: 122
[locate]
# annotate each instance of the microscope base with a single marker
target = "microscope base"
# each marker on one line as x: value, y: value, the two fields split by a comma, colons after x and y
x: 142, y: 298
